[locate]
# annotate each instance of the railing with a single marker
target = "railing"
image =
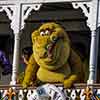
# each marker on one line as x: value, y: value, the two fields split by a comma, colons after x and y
x: 50, y: 92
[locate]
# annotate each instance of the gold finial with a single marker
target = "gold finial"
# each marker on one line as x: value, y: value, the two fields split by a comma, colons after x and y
x: 88, y: 93
x: 10, y: 93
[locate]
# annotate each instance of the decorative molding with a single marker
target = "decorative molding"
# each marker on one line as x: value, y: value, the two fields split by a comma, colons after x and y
x: 12, y: 15
x: 39, y: 1
x: 88, y: 92
x: 90, y: 11
x: 26, y: 9
x: 18, y: 14
x: 10, y: 94
x: 26, y: 6
x: 8, y: 10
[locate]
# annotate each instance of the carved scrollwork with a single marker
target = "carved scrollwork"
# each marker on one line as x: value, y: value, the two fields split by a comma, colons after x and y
x: 1, y: 9
x: 8, y: 11
x: 26, y: 9
x: 90, y: 11
x: 12, y: 13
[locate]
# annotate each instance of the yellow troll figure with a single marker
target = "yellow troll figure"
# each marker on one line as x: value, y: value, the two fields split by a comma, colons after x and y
x: 53, y: 60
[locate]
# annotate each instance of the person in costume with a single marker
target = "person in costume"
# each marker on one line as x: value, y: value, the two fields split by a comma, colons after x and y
x: 5, y: 63
x: 26, y: 53
x: 53, y: 59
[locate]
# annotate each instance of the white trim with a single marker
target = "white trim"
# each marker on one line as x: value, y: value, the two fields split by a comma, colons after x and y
x: 39, y: 1
x: 91, y: 14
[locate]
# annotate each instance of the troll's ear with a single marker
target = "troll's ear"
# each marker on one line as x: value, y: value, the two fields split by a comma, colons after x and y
x: 59, y: 31
x: 34, y: 35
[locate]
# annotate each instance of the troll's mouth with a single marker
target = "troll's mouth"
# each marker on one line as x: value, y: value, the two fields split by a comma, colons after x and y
x: 51, y: 47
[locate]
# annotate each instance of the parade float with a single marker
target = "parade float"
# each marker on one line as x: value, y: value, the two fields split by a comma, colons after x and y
x: 18, y: 11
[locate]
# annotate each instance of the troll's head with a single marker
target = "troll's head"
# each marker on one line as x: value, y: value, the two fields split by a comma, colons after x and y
x: 51, y: 46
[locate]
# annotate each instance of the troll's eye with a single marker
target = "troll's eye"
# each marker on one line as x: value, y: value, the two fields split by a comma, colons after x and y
x: 42, y: 33
x: 54, y: 38
x: 47, y: 32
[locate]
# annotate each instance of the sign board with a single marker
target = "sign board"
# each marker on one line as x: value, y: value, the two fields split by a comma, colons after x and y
x: 47, y: 92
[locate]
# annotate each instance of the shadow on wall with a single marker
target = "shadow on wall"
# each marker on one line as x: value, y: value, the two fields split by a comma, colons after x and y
x: 98, y: 64
x: 82, y: 52
x: 6, y: 45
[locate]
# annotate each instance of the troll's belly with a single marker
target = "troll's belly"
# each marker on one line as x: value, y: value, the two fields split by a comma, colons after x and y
x: 53, y: 76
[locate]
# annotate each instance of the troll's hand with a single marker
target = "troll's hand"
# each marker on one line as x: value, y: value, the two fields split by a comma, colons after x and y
x: 68, y: 83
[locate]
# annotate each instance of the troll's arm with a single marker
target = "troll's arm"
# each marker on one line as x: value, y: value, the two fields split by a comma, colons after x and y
x: 76, y: 67
x: 30, y: 71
